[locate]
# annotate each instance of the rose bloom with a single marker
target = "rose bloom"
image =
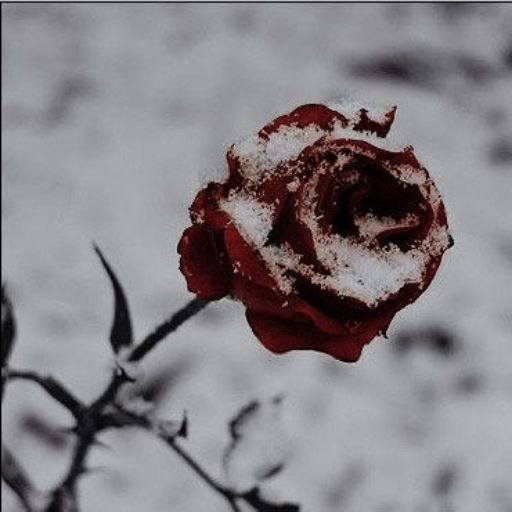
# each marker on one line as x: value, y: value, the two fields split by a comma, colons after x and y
x: 320, y: 229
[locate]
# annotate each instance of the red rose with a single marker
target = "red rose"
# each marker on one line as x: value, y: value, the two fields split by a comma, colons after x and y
x: 322, y: 232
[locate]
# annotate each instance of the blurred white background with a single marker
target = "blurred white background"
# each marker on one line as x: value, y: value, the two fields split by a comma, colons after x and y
x: 113, y: 115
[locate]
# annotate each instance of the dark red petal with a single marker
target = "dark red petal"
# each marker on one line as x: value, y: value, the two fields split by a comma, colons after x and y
x: 441, y: 216
x: 236, y: 178
x: 245, y: 259
x: 256, y: 297
x: 405, y: 158
x: 282, y: 336
x: 203, y: 264
x: 205, y: 207
x: 344, y: 325
x: 289, y: 229
x: 303, y: 116
x: 270, y: 301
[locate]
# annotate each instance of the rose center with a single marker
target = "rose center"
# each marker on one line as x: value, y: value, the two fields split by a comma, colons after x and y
x: 379, y: 209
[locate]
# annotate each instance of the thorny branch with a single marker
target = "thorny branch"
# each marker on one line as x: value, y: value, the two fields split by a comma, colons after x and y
x: 18, y: 480
x: 106, y: 411
x: 53, y: 387
x: 171, y: 441
x: 93, y: 418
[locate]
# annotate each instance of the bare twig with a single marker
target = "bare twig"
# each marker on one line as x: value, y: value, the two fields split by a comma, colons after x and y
x: 142, y: 421
x: 17, y: 479
x: 87, y: 428
x: 53, y: 387
x: 103, y: 413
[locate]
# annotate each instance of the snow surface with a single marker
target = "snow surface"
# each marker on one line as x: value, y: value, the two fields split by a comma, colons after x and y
x: 111, y: 115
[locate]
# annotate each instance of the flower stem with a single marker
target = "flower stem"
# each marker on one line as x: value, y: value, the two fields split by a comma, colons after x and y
x: 167, y: 327
x: 53, y: 387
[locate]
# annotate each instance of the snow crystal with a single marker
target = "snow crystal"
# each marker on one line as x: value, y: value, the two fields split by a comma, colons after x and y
x: 259, y: 156
x: 279, y: 260
x: 252, y: 218
x: 365, y: 274
x: 294, y: 185
x: 410, y: 175
x: 370, y: 225
x: 351, y: 108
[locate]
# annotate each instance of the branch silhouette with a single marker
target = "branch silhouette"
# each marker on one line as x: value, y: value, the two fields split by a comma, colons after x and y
x: 106, y: 412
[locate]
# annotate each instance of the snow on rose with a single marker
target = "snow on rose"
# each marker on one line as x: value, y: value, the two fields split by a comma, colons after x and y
x: 321, y: 229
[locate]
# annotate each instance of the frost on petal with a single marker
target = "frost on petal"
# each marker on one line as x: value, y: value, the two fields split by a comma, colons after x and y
x: 259, y: 157
x: 252, y: 218
x: 257, y: 449
x: 366, y: 117
x: 315, y: 114
x: 326, y: 226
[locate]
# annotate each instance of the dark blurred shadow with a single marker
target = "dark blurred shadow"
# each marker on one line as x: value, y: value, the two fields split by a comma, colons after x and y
x: 70, y: 91
x: 423, y: 67
x: 38, y: 427
x: 157, y: 386
x: 435, y: 338
x: 500, y: 153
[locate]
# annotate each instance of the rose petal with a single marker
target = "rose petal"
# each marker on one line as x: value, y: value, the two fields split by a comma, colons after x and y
x: 205, y: 207
x: 289, y: 229
x: 245, y: 259
x: 281, y: 336
x: 303, y: 116
x: 203, y: 264
x: 269, y: 301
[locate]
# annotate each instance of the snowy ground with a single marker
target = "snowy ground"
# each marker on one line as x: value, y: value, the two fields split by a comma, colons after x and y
x: 114, y: 114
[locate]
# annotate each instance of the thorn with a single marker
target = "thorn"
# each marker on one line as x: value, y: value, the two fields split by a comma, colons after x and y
x: 121, y: 372
x: 183, y: 430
